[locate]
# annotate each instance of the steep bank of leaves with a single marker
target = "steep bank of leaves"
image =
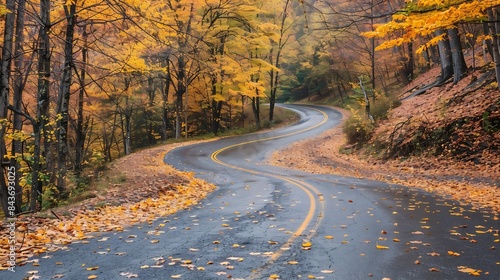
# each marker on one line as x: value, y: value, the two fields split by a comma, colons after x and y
x: 458, y: 122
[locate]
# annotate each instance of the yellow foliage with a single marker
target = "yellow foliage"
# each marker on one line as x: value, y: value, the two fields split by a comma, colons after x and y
x: 432, y: 42
x: 430, y: 15
x: 3, y: 10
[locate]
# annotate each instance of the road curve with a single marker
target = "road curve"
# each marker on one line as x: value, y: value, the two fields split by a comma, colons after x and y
x: 269, y: 222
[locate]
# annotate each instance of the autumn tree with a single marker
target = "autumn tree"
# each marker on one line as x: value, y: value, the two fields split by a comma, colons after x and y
x: 439, y: 18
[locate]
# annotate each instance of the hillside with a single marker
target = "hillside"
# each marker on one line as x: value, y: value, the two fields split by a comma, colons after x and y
x: 444, y: 141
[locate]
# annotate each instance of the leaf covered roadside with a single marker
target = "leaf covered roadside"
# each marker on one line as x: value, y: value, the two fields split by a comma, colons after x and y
x: 148, y: 189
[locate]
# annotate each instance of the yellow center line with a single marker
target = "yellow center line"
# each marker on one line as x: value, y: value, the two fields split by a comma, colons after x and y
x: 307, y: 188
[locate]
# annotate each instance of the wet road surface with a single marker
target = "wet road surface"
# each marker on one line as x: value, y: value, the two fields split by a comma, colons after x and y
x: 266, y: 222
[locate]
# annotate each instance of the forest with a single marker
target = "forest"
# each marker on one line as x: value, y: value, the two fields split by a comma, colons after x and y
x: 85, y: 82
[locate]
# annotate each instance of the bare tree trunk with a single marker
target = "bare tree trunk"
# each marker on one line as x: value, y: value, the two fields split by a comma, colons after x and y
x: 63, y: 100
x: 256, y: 110
x: 19, y: 82
x: 459, y: 66
x: 494, y: 44
x: 5, y: 68
x: 81, y: 123
x: 181, y: 89
x: 165, y: 91
x: 127, y: 127
x: 274, y: 74
x: 489, y: 46
x: 446, y: 65
x: 42, y: 114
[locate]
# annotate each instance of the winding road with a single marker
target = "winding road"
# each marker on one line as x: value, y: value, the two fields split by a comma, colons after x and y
x: 267, y: 222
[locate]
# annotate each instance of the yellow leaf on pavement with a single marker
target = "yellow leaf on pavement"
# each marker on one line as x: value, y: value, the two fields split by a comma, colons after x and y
x: 307, y: 244
x: 380, y: 247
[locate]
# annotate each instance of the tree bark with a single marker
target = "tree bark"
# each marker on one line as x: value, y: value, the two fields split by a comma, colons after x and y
x: 20, y: 75
x: 40, y: 129
x: 165, y: 91
x: 81, y: 123
x: 459, y: 66
x: 445, y: 56
x: 256, y: 110
x: 274, y: 74
x: 494, y: 45
x: 63, y: 100
x: 5, y: 73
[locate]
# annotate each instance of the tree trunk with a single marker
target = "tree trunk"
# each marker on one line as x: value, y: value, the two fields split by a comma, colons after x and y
x: 411, y: 63
x: 489, y: 46
x: 81, y: 123
x: 256, y: 110
x: 127, y: 128
x: 181, y: 89
x: 494, y: 44
x: 40, y: 129
x: 5, y: 72
x: 459, y: 66
x: 446, y: 65
x: 19, y: 82
x: 63, y: 100
x: 165, y: 91
x: 445, y: 56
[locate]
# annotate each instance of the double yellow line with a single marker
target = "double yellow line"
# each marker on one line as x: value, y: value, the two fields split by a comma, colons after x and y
x: 311, y: 192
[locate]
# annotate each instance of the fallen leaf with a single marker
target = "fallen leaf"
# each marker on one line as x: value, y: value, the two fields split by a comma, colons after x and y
x: 177, y: 276
x: 380, y: 247
x: 454, y: 254
x: 92, y: 277
x: 58, y: 276
x: 93, y: 268
x: 471, y: 271
x: 327, y: 271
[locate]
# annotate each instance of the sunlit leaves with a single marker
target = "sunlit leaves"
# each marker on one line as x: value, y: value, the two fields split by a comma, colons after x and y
x: 428, y: 17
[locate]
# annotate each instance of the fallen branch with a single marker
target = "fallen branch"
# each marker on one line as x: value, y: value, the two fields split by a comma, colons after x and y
x: 397, y: 128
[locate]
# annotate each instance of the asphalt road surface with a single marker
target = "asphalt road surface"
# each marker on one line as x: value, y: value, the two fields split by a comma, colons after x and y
x: 266, y: 222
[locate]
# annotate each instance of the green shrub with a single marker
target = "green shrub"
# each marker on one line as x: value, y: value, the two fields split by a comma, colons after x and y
x: 383, y: 103
x: 358, y: 128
